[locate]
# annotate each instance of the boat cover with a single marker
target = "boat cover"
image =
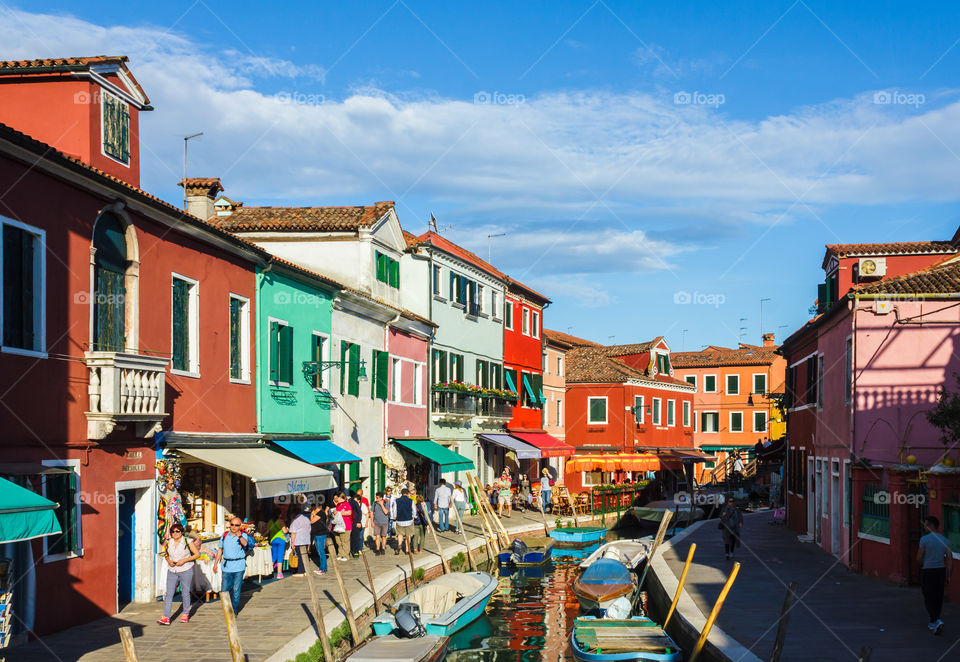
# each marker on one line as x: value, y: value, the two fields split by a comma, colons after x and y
x: 440, y: 595
x: 606, y: 571
x: 394, y: 649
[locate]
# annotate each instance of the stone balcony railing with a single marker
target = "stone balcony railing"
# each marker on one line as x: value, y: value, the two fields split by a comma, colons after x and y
x: 495, y: 408
x: 125, y: 388
x: 453, y: 406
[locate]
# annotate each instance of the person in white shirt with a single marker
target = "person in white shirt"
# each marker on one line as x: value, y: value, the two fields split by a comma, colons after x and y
x: 441, y: 504
x: 459, y: 501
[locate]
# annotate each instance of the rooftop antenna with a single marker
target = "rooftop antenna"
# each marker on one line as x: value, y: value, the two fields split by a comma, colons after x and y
x: 432, y: 225
x: 743, y: 329
x: 761, y: 318
x: 683, y: 339
x: 185, y: 139
x: 489, y: 237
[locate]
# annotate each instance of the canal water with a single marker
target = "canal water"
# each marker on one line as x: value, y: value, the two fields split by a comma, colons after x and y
x: 531, y: 614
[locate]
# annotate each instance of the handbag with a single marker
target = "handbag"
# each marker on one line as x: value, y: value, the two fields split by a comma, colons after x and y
x: 339, y: 524
x: 293, y: 563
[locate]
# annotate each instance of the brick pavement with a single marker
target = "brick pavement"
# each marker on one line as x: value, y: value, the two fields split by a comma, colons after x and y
x: 270, y: 616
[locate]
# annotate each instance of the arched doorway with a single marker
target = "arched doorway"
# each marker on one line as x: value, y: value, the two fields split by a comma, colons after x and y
x: 109, y: 286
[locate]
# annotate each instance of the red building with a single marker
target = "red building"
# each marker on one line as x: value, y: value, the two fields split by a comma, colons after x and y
x: 625, y: 399
x: 105, y: 342
x: 523, y: 354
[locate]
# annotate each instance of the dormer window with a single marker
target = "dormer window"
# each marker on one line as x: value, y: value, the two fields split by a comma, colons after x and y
x: 663, y: 364
x: 115, y: 127
x: 388, y: 270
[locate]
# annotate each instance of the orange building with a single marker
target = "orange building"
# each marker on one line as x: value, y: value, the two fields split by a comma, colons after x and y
x: 732, y: 404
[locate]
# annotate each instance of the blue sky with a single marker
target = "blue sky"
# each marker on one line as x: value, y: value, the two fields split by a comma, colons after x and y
x: 637, y: 155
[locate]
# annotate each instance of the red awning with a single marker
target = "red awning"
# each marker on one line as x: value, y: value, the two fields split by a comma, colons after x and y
x: 614, y: 462
x: 549, y: 446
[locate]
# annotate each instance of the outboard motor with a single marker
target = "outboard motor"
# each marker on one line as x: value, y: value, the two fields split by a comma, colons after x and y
x: 407, y: 616
x: 518, y: 550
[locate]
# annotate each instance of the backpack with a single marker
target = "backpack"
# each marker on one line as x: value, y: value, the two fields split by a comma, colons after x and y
x: 247, y: 549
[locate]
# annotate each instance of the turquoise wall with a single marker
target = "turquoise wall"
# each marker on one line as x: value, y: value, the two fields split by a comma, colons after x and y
x: 307, y: 308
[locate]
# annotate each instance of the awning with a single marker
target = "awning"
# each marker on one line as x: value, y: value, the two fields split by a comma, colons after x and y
x: 510, y: 384
x: 272, y: 473
x: 24, y: 514
x: 316, y: 451
x: 528, y: 388
x: 523, y: 451
x: 549, y: 446
x: 614, y: 462
x: 31, y: 469
x: 447, y: 459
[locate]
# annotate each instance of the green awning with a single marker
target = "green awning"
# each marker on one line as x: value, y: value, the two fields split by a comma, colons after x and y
x: 447, y: 459
x: 529, y: 389
x: 543, y: 399
x: 510, y: 384
x: 25, y: 514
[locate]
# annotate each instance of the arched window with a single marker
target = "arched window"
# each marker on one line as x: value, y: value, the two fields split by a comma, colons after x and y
x: 109, y: 273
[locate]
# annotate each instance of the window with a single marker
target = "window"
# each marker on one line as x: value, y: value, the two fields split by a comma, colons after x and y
x: 494, y: 304
x: 692, y: 379
x: 709, y: 421
x: 536, y: 324
x: 436, y: 279
x: 525, y: 329
x: 820, y: 382
x: 591, y: 478
x: 529, y: 391
x: 709, y: 383
x: 638, y: 409
x: 544, y: 415
x: 483, y: 373
x: 481, y: 300
x: 655, y: 412
x: 671, y: 412
x: 109, y: 285
x: 510, y: 376
x: 115, y: 127
x: 559, y: 413
x: 64, y: 489
x: 186, y: 332
x: 388, y: 270
x: 417, y: 384
x: 23, y: 258
x: 597, y: 411
x: 848, y: 372
x: 760, y: 383
x: 239, y: 339
x: 439, y: 366
x: 560, y: 366
x: 733, y: 384
x: 496, y: 375
x: 456, y: 367
x: 508, y: 314
x: 736, y: 421
x: 319, y: 347
x: 380, y: 373
x: 686, y: 413
x: 663, y: 364
x: 350, y: 368
x: 281, y: 353
x: 812, y: 383
x: 759, y: 421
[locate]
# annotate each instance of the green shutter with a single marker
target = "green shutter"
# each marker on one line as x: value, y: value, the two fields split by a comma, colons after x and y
x: 236, y: 347
x: 598, y: 410
x: 394, y: 273
x: 316, y: 355
x: 181, y: 325
x: 443, y: 367
x: 274, y: 352
x: 354, y: 366
x: 286, y: 354
x: 382, y: 374
x: 344, y: 354
x: 381, y: 267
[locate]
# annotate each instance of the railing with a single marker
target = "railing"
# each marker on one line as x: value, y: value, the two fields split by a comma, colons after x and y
x: 125, y: 387
x: 604, y: 500
x: 492, y: 407
x: 453, y: 404
x: 473, y: 309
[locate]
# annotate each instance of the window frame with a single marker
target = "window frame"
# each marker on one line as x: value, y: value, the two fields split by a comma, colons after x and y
x: 103, y: 147
x: 535, y: 323
x: 726, y: 383
x: 754, y: 390
x: 693, y: 383
x: 437, y: 288
x: 730, y: 422
x: 74, y: 465
x: 524, y: 320
x: 606, y: 410
x: 508, y: 313
x: 418, y: 369
x: 324, y: 356
x: 277, y: 382
x: 559, y: 366
x: 494, y: 310
x: 766, y: 422
x: 714, y: 389
x: 656, y: 413
x: 559, y: 409
x: 395, y: 394
x: 40, y: 290
x: 848, y: 371
x: 685, y: 411
x: 715, y: 413
x: 193, y: 326
x: 671, y: 413
x: 819, y: 365
x: 639, y: 398
x: 244, y: 339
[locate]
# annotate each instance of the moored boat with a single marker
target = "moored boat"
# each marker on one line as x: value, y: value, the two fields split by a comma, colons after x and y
x: 445, y: 605
x: 631, y: 553
x: 429, y: 648
x: 579, y: 533
x: 529, y: 552
x: 634, y: 639
x: 602, y: 583
x: 682, y: 514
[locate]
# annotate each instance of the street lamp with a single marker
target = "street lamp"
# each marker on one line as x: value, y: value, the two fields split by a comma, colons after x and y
x: 313, y: 368
x: 489, y: 249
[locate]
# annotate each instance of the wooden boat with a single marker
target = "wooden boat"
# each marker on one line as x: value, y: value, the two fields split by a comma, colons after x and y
x: 573, y: 553
x: 602, y: 583
x: 429, y: 648
x: 446, y: 604
x: 631, y: 553
x: 529, y: 552
x: 653, y: 512
x: 579, y: 533
x: 637, y: 638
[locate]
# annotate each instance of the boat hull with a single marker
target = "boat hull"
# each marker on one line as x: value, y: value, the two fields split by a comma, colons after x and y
x: 601, y: 596
x: 425, y: 649
x: 579, y: 534
x: 466, y: 610
x: 639, y: 639
x: 533, y: 557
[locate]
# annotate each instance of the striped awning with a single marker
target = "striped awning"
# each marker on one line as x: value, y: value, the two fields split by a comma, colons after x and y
x: 614, y: 462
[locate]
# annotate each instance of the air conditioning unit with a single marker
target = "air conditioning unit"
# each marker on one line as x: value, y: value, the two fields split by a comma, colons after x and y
x: 872, y: 267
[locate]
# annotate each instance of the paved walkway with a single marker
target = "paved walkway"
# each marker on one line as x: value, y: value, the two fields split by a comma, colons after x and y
x: 837, y: 612
x: 270, y: 616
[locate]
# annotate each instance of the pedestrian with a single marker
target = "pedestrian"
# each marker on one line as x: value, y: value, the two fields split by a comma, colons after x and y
x: 404, y: 510
x: 318, y: 535
x: 381, y: 520
x: 232, y: 550
x: 356, y: 532
x: 181, y: 553
x: 546, y: 490
x: 343, y: 525
x: 390, y: 498
x: 278, y: 531
x: 505, y: 493
x: 300, y: 539
x: 493, y: 496
x: 459, y: 502
x: 366, y: 517
x: 419, y: 523
x: 441, y: 504
x: 731, y: 520
x: 936, y: 560
x: 525, y: 497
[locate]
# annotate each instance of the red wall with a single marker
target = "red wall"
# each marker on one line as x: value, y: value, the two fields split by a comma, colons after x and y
x: 64, y: 112
x: 897, y: 265
x: 524, y: 353
x: 801, y: 428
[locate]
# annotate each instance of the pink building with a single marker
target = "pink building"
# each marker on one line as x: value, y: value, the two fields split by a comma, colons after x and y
x: 407, y: 407
x: 864, y: 464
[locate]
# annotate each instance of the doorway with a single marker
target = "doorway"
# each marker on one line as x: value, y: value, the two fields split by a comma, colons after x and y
x: 811, y: 497
x: 835, y: 506
x: 135, y: 542
x: 126, y: 546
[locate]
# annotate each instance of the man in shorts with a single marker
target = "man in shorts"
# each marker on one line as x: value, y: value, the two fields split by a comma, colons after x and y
x: 405, y: 528
x: 381, y: 519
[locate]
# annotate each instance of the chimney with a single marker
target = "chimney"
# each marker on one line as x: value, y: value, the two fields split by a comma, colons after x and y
x: 201, y: 193
x: 768, y: 340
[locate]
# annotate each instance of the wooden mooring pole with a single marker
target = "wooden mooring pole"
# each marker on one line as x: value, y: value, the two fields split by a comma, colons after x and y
x: 788, y: 601
x: 233, y: 635
x: 318, y: 615
x: 126, y: 640
x: 347, y: 607
x: 701, y: 642
x: 373, y: 589
x: 436, y: 538
x: 466, y: 543
x: 683, y: 579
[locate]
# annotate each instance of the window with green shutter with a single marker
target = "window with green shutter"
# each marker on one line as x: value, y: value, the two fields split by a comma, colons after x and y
x: 285, y: 355
x: 394, y: 273
x: 316, y: 355
x: 456, y: 367
x: 181, y: 325
x: 597, y: 410
x: 709, y: 383
x: 110, y: 263
x: 733, y: 384
x: 22, y: 295
x: 380, y: 371
x: 274, y: 349
x: 116, y: 127
x: 736, y: 421
x: 350, y: 371
x: 388, y: 270
x: 482, y: 373
x: 510, y: 376
x: 62, y: 489
x: 439, y: 366
x: 236, y: 338
x: 496, y: 375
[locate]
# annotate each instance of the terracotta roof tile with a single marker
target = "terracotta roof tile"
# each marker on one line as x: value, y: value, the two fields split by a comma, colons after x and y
x: 894, y: 248
x: 599, y: 364
x: 526, y: 291
x: 943, y: 278
x: 574, y: 341
x: 434, y: 239
x: 303, y: 219
x: 717, y: 356
x: 67, y: 64
x: 635, y: 348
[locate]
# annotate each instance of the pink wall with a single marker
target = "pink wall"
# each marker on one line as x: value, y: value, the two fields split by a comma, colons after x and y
x: 405, y: 419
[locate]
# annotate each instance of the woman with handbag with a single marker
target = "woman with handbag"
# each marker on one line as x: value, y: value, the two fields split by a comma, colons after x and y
x: 342, y: 525
x: 318, y: 535
x: 278, y: 531
x: 731, y: 521
x: 300, y: 539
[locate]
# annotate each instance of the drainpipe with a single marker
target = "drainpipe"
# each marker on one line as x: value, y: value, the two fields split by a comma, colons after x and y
x: 853, y: 422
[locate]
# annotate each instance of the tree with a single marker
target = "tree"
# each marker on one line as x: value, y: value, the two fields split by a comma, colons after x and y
x: 946, y: 415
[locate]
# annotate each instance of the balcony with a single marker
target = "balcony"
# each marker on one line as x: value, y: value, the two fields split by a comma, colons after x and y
x: 125, y: 388
x: 453, y: 406
x: 494, y: 408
